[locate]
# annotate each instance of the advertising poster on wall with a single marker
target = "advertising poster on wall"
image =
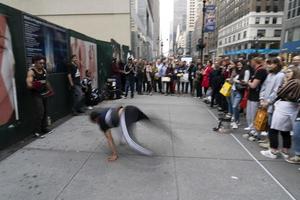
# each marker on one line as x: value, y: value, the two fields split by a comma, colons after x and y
x: 86, y: 53
x: 8, y: 97
x: 48, y: 40
x: 210, y: 18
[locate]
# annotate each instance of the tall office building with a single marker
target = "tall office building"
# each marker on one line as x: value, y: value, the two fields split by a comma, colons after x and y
x: 179, y: 20
x: 192, y: 8
x: 291, y: 28
x: 252, y: 26
x: 145, y: 28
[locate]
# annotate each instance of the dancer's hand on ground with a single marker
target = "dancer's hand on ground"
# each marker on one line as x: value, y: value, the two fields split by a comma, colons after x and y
x: 113, y: 157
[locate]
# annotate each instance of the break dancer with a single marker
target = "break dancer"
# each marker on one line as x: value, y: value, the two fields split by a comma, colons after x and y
x: 124, y: 117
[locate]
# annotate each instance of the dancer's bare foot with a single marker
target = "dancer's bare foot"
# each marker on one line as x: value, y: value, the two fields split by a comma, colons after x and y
x: 113, y: 157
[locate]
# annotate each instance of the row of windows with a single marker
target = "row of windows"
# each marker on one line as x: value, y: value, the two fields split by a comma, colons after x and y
x: 294, y: 12
x: 260, y: 33
x: 268, y: 8
x: 266, y: 21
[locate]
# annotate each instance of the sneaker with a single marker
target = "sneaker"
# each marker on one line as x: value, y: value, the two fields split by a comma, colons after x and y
x: 269, y: 154
x: 39, y: 135
x: 253, y: 138
x: 246, y: 135
x: 46, y: 130
x: 264, y: 133
x: 253, y: 132
x: 247, y: 129
x: 293, y: 160
x: 90, y: 107
x: 234, y: 126
x: 264, y: 145
x: 284, y: 155
x: 264, y: 141
x: 228, y: 116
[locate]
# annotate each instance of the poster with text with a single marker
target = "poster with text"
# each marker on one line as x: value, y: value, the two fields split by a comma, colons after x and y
x: 8, y: 97
x: 86, y: 53
x: 46, y: 39
x: 210, y: 18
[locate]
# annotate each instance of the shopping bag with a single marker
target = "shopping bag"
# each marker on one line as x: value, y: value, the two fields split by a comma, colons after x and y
x: 244, y: 100
x: 185, y: 78
x: 165, y: 79
x: 261, y: 119
x: 226, y: 89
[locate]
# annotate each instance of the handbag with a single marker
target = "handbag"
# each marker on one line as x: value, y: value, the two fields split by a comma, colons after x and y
x: 261, y: 119
x: 244, y: 100
x: 226, y: 89
x: 185, y: 78
x: 165, y: 79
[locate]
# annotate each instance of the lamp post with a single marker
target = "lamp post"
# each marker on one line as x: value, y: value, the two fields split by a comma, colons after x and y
x: 202, y: 31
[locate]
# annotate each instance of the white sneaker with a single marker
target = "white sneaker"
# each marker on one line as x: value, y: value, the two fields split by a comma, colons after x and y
x: 284, y: 155
x: 90, y: 107
x: 247, y: 128
x: 234, y: 125
x: 269, y: 154
x: 253, y: 132
x: 264, y: 133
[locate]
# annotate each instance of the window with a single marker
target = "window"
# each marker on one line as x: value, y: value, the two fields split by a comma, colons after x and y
x: 245, y: 34
x: 239, y: 36
x: 233, y: 39
x: 258, y: 9
x: 267, y: 20
x: 268, y: 8
x: 257, y: 19
x: 275, y: 8
x: 261, y: 33
x: 220, y: 42
x: 274, y: 21
x: 225, y: 40
x: 277, y: 33
x: 229, y: 39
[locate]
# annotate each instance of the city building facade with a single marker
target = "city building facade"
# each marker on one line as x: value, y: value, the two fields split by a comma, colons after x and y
x: 102, y: 19
x: 145, y: 29
x: 250, y: 27
x: 179, y: 20
x: 291, y: 29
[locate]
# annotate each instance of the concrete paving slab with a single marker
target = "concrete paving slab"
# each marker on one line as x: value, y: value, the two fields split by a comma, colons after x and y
x: 38, y: 174
x: 207, y: 145
x: 134, y: 178
x: 77, y: 134
x: 224, y: 179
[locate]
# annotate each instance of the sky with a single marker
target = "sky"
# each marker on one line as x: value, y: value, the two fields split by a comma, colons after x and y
x: 166, y: 15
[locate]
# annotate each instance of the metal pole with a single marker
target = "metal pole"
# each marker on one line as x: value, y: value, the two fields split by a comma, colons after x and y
x: 202, y: 31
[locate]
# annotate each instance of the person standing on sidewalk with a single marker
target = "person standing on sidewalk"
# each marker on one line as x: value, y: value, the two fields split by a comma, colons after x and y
x: 40, y: 89
x: 129, y: 71
x: 116, y: 73
x: 270, y: 87
x: 255, y: 83
x: 74, y: 81
x: 285, y: 114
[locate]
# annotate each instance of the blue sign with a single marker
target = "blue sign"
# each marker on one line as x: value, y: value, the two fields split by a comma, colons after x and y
x: 210, y: 18
x: 250, y: 51
x: 291, y: 47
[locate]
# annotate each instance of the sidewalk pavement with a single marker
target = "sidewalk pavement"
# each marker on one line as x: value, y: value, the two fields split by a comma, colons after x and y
x: 191, y: 162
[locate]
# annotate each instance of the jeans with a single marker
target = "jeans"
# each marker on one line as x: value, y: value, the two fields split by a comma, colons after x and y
x: 118, y: 86
x: 78, y: 98
x: 229, y: 105
x: 251, y: 112
x: 273, y: 137
x: 296, y: 138
x: 236, y: 98
x: 40, y: 114
x: 129, y: 84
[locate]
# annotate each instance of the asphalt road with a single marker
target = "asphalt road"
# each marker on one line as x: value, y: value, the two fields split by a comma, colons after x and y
x: 191, y: 161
